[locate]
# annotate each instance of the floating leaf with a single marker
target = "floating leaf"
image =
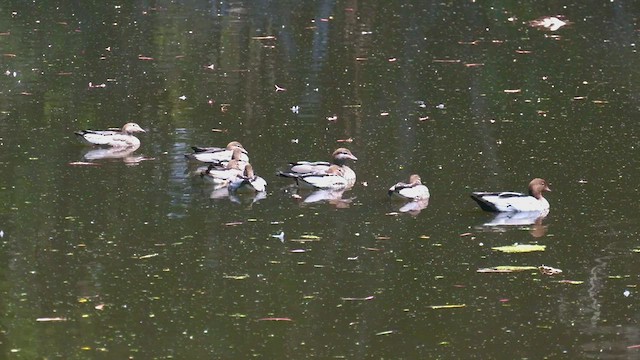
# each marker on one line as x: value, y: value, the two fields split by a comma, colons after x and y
x: 548, y: 270
x: 551, y: 23
x: 506, y: 269
x: 571, y: 282
x: 45, y: 319
x: 520, y: 248
x: 236, y: 277
x: 274, y: 319
x: 388, y: 332
x: 453, y: 306
x: 357, y: 299
x: 83, y: 163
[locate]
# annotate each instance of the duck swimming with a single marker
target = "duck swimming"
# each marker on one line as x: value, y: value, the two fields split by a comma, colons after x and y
x: 218, y: 154
x: 509, y: 201
x: 248, y: 180
x: 332, y: 178
x: 413, y: 190
x: 339, y: 158
x: 114, y: 138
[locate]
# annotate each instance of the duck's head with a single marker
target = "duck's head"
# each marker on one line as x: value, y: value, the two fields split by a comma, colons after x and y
x: 130, y: 128
x: 248, y: 171
x: 236, y: 145
x: 237, y: 153
x: 415, y: 179
x: 537, y: 186
x: 342, y: 154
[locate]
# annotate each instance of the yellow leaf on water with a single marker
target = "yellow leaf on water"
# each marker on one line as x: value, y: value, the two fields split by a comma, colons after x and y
x: 310, y: 237
x: 520, y: 248
x: 46, y: 319
x: 388, y: 332
x: 571, y: 282
x: 236, y: 277
x: 453, y: 306
x: 506, y: 269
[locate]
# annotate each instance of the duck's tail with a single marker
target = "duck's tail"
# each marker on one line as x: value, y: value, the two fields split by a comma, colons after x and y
x: 482, y: 202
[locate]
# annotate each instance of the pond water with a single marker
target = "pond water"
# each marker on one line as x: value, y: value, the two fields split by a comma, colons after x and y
x: 135, y: 258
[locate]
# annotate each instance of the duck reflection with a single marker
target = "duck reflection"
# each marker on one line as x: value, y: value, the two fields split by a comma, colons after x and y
x: 330, y: 196
x: 247, y: 198
x: 414, y: 207
x: 240, y: 198
x: 124, y: 153
x: 523, y: 219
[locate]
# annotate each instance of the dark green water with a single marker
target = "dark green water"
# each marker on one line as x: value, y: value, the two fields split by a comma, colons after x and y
x: 130, y: 259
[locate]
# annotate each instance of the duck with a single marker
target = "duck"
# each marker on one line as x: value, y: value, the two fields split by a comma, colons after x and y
x: 222, y: 176
x: 218, y: 155
x: 331, y: 178
x: 413, y: 190
x: 339, y: 158
x: 509, y: 201
x: 121, y: 138
x: 248, y: 180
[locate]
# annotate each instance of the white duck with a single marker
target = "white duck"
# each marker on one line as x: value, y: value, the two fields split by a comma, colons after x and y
x: 115, y: 138
x: 222, y: 176
x: 237, y: 155
x: 513, y: 201
x: 413, y: 190
x: 331, y: 178
x: 217, y: 155
x: 248, y: 180
x: 340, y: 157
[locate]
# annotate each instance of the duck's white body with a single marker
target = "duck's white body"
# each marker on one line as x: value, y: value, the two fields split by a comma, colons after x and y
x: 323, y: 181
x: 301, y: 169
x: 222, y: 176
x: 251, y: 184
x: 115, y: 138
x: 333, y: 178
x: 413, y: 190
x: 508, y: 201
x: 521, y: 218
x: 248, y: 181
x: 218, y: 155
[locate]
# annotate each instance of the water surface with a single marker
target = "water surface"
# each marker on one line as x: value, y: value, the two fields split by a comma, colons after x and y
x: 137, y: 259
